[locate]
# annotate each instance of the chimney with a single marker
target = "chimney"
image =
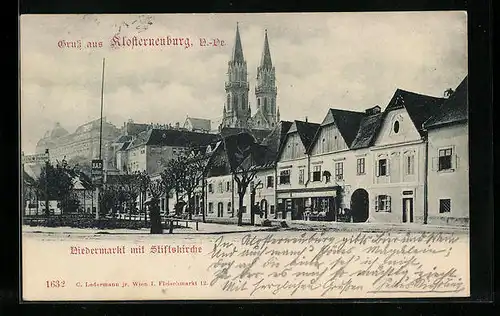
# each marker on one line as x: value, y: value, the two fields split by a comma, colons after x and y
x: 306, y: 119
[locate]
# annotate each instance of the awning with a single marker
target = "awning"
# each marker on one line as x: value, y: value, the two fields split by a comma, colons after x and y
x: 292, y: 195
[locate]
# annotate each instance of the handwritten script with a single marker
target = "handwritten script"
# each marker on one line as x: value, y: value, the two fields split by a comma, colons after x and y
x: 331, y: 264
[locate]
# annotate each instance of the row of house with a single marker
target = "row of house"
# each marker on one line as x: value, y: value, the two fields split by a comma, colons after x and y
x: 406, y: 164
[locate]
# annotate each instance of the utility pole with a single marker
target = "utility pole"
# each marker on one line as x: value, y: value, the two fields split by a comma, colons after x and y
x: 98, y: 187
x: 47, y: 212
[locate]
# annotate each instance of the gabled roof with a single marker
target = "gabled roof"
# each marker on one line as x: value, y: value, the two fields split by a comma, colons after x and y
x: 122, y: 139
x: 27, y: 179
x: 347, y: 122
x: 276, y: 138
x: 132, y: 128
x: 368, y: 128
x: 306, y: 131
x: 199, y: 123
x: 124, y: 147
x: 454, y: 109
x: 242, y: 148
x: 172, y: 137
x: 419, y: 107
x: 258, y: 134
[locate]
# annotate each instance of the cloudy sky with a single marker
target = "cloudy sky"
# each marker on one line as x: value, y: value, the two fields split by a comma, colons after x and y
x: 344, y: 60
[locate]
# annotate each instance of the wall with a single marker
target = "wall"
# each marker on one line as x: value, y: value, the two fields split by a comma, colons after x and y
x: 221, y: 194
x: 263, y: 192
x: 396, y: 181
x: 395, y: 146
x: 137, y: 159
x: 449, y: 184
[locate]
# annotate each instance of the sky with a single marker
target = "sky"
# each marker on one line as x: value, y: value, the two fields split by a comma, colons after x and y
x: 349, y: 61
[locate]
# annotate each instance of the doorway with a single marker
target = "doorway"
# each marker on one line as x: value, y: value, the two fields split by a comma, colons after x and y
x: 407, y: 210
x: 220, y: 209
x: 359, y: 206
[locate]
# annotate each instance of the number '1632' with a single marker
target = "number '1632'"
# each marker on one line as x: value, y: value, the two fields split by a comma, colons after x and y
x: 55, y: 284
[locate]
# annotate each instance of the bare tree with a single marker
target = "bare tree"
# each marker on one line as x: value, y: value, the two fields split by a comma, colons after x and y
x: 194, y: 171
x: 244, y: 156
x: 168, y: 184
x: 252, y: 201
x: 176, y: 170
x: 131, y: 186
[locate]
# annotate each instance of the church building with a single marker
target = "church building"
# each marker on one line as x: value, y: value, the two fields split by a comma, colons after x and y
x: 237, y: 111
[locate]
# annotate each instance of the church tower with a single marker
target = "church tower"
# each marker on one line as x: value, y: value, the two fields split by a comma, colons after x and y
x: 265, y: 91
x: 237, y: 111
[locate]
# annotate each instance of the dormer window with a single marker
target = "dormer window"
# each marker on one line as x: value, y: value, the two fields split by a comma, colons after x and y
x: 396, y: 127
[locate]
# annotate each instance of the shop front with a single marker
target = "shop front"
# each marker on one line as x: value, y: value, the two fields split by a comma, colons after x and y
x: 308, y: 204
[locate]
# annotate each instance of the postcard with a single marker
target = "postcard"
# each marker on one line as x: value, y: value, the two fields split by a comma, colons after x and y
x: 244, y: 156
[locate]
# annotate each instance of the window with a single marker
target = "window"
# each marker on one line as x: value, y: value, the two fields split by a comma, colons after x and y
x: 219, y: 187
x: 272, y: 209
x: 301, y: 175
x: 229, y: 207
x: 360, y: 166
x: 270, y: 181
x: 339, y: 171
x: 445, y: 159
x: 258, y: 101
x: 285, y: 177
x: 210, y: 207
x: 382, y: 167
x: 410, y: 165
x: 396, y: 127
x: 316, y: 173
x: 444, y: 206
x: 210, y: 188
x: 228, y: 186
x: 383, y: 203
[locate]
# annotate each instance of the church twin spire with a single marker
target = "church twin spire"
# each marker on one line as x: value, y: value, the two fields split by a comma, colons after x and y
x: 237, y: 111
x: 238, y: 48
x: 265, y: 61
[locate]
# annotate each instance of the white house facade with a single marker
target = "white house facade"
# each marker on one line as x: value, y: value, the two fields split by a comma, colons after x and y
x: 448, y: 168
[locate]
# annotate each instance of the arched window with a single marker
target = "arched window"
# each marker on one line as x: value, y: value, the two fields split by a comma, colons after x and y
x: 265, y: 104
x: 228, y: 102
x: 235, y: 101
